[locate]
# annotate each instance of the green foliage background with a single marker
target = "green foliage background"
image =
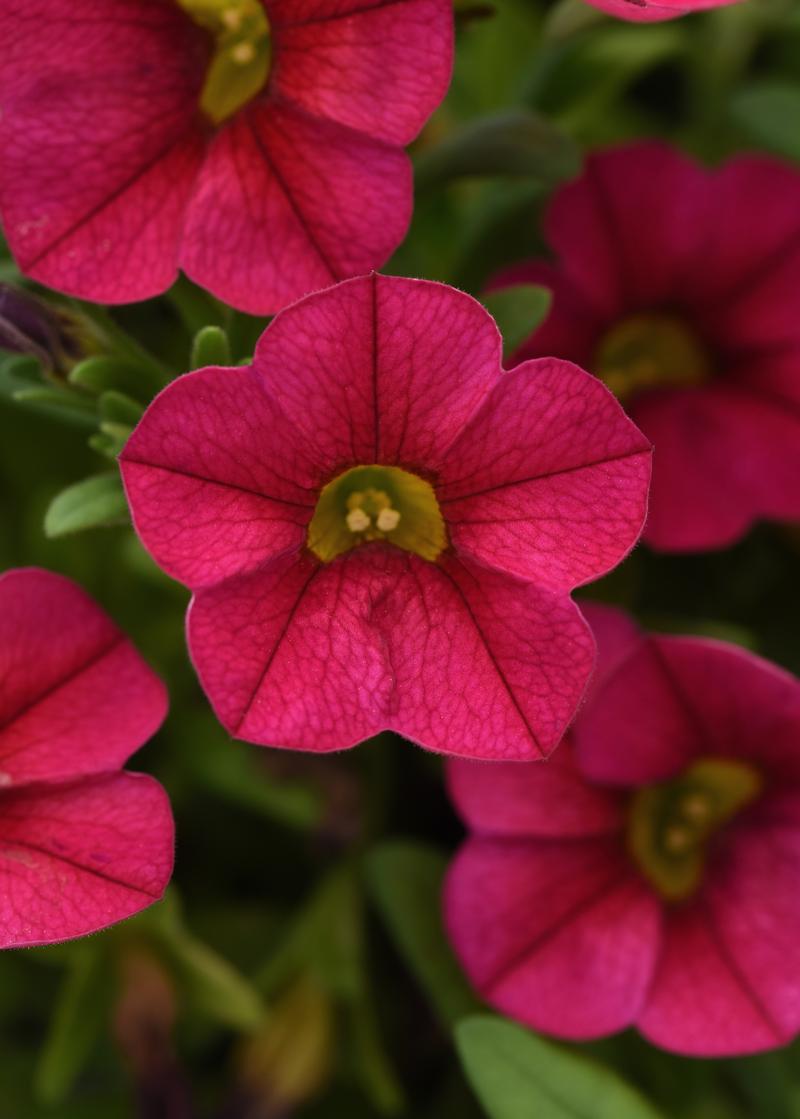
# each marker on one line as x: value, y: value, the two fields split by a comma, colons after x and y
x: 306, y: 890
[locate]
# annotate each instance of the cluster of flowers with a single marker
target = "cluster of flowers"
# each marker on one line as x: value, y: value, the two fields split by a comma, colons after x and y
x: 381, y: 526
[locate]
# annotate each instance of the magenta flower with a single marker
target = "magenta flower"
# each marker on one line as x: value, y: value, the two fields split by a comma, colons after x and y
x: 381, y: 527
x: 256, y: 144
x: 678, y: 287
x: 646, y: 11
x: 649, y: 874
x: 81, y: 844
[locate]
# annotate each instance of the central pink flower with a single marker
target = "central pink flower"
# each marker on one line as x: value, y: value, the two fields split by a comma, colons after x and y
x: 256, y: 144
x: 381, y: 527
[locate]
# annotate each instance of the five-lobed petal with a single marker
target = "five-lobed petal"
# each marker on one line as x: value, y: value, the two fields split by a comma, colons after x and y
x: 480, y: 653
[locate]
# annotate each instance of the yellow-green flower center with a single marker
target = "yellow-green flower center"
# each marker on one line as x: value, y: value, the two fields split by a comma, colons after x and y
x: 240, y: 66
x: 670, y: 824
x: 377, y: 503
x: 648, y: 352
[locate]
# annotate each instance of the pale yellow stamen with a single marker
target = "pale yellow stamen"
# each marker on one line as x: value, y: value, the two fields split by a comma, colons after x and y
x: 376, y: 503
x: 240, y: 63
x: 357, y: 520
x: 388, y: 520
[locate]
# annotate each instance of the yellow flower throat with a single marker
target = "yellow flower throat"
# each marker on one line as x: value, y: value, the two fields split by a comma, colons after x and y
x: 377, y: 503
x: 241, y: 62
x: 671, y: 824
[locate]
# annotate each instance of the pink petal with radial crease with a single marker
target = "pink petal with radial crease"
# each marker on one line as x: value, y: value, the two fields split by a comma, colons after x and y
x: 215, y: 477
x: 101, y: 142
x: 625, y: 232
x: 723, y: 458
x: 549, y: 482
x: 549, y: 799
x: 287, y: 202
x: 379, y: 68
x: 381, y: 369
x: 77, y: 697
x: 459, y: 660
x: 563, y: 936
x: 643, y: 11
x: 78, y: 856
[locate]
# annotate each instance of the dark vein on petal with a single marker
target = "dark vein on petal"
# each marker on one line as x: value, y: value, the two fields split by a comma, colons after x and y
x: 94, y: 659
x: 11, y: 843
x: 215, y: 482
x: 501, y: 675
x: 274, y: 651
x: 539, y: 477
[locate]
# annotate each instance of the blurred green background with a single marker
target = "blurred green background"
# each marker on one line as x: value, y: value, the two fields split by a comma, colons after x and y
x: 298, y: 967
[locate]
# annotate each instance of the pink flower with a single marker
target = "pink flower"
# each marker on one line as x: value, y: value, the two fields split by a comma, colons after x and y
x: 649, y: 874
x: 256, y: 144
x: 81, y: 844
x: 678, y: 286
x: 645, y: 11
x: 381, y: 527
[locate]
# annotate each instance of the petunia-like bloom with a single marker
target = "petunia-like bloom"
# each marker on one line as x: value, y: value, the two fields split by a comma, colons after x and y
x: 82, y: 844
x: 647, y: 11
x: 649, y: 874
x: 677, y: 286
x: 256, y: 144
x: 381, y: 527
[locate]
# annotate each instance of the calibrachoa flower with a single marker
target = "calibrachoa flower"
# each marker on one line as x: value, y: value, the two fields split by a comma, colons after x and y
x: 81, y: 844
x: 678, y: 287
x: 256, y: 144
x: 650, y: 873
x: 644, y: 11
x: 381, y: 527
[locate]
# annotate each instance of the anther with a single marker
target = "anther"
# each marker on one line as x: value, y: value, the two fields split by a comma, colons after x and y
x: 357, y: 520
x: 388, y: 519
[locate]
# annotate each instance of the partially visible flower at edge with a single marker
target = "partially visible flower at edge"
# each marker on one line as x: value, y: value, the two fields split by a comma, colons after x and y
x: 256, y: 145
x: 649, y: 874
x: 653, y: 11
x: 677, y: 285
x: 82, y: 845
x: 381, y: 527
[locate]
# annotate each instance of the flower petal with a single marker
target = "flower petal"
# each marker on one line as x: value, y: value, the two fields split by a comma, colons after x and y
x: 216, y: 481
x: 287, y: 202
x: 77, y: 697
x: 320, y: 657
x: 694, y: 503
x: 701, y: 1004
x: 549, y: 481
x: 562, y: 936
x: 625, y: 232
x: 101, y: 142
x: 485, y: 667
x: 548, y: 799
x: 381, y: 369
x: 77, y: 857
x: 380, y: 68
x: 637, y: 725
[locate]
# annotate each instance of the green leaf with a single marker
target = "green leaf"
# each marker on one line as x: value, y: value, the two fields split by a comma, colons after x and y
x: 769, y: 112
x: 55, y: 398
x: 95, y: 501
x: 516, y: 1075
x: 516, y: 142
x: 101, y: 373
x: 518, y: 311
x: 117, y: 407
x: 405, y: 882
x: 214, y: 987
x: 210, y: 347
x: 80, y: 1015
